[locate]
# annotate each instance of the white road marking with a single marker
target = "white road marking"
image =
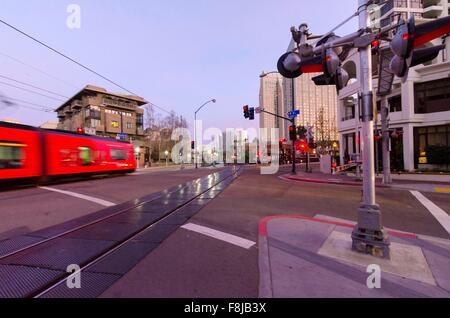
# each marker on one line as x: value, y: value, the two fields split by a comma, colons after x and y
x: 225, y: 237
x: 81, y: 196
x: 440, y: 215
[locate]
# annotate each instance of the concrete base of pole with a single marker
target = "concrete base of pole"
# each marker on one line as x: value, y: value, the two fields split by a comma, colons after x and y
x: 368, y: 235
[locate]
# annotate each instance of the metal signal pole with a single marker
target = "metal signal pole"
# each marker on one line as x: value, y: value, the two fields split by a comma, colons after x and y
x: 368, y: 235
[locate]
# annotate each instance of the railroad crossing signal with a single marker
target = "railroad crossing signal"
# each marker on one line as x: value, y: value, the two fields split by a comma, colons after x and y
x: 409, y: 36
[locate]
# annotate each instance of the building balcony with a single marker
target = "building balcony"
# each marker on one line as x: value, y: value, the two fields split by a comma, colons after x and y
x: 93, y: 114
x: 432, y: 12
x: 77, y: 104
x: 427, y: 3
x: 61, y: 115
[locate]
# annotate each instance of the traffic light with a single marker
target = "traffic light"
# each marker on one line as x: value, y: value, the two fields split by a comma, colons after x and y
x: 80, y: 130
x: 252, y: 113
x: 292, y: 133
x: 246, y: 112
x: 302, y: 132
x: 192, y: 145
x: 409, y: 36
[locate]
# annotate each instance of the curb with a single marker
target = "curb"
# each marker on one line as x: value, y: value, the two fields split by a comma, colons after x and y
x: 347, y: 183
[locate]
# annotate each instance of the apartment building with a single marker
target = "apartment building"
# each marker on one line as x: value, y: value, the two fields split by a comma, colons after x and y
x: 101, y: 113
x: 419, y: 108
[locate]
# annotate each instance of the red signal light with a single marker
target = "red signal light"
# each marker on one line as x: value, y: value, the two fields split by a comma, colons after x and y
x: 80, y: 130
x: 375, y: 43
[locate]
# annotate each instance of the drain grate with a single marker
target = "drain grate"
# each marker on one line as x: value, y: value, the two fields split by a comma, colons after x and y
x: 59, y: 253
x: 124, y: 259
x: 21, y: 281
x: 17, y: 243
x: 92, y: 285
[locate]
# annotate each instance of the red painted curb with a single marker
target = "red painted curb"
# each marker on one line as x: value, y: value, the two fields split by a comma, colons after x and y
x: 264, y: 221
x: 330, y: 182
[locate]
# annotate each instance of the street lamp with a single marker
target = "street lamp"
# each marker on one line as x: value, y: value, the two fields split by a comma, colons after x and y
x: 166, y: 153
x: 137, y: 151
x: 195, y: 130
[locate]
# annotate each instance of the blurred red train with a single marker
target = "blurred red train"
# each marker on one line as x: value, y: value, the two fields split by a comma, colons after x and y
x: 33, y: 155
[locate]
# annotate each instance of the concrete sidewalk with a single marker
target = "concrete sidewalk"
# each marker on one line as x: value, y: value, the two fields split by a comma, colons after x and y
x: 301, y: 257
x: 345, y: 179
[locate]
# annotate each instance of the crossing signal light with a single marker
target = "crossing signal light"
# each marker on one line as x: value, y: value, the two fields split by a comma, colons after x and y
x: 246, y: 112
x: 333, y: 73
x: 252, y: 113
x: 293, y: 64
x: 292, y: 133
x: 409, y: 36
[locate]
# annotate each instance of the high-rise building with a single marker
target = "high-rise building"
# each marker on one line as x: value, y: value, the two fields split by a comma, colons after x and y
x: 271, y: 99
x: 317, y: 104
x: 419, y: 107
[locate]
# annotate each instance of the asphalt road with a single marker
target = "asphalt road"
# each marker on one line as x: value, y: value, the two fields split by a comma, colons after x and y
x: 30, y: 209
x: 189, y: 264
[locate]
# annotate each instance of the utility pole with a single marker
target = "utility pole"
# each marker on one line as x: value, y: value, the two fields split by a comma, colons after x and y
x: 368, y: 235
x: 294, y: 166
x: 386, y: 140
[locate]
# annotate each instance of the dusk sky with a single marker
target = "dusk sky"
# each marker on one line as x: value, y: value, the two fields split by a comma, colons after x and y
x: 176, y: 54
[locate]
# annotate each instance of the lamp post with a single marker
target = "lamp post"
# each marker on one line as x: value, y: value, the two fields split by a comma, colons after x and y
x: 137, y: 153
x: 167, y: 154
x: 195, y: 130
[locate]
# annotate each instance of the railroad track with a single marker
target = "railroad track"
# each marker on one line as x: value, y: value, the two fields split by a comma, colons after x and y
x: 175, y: 205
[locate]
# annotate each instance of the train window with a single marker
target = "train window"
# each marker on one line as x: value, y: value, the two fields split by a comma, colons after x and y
x: 85, y: 156
x: 119, y: 154
x: 11, y: 155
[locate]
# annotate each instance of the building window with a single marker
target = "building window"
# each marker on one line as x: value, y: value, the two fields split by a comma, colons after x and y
x: 416, y: 4
x: 431, y: 97
x: 129, y: 126
x: 94, y: 123
x: 11, y: 155
x: 140, y: 121
x: 348, y: 107
x: 395, y: 104
x: 401, y: 3
x: 430, y: 136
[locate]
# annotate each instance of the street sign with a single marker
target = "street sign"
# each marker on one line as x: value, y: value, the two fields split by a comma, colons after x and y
x: 121, y: 136
x: 294, y: 113
x: 258, y: 110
